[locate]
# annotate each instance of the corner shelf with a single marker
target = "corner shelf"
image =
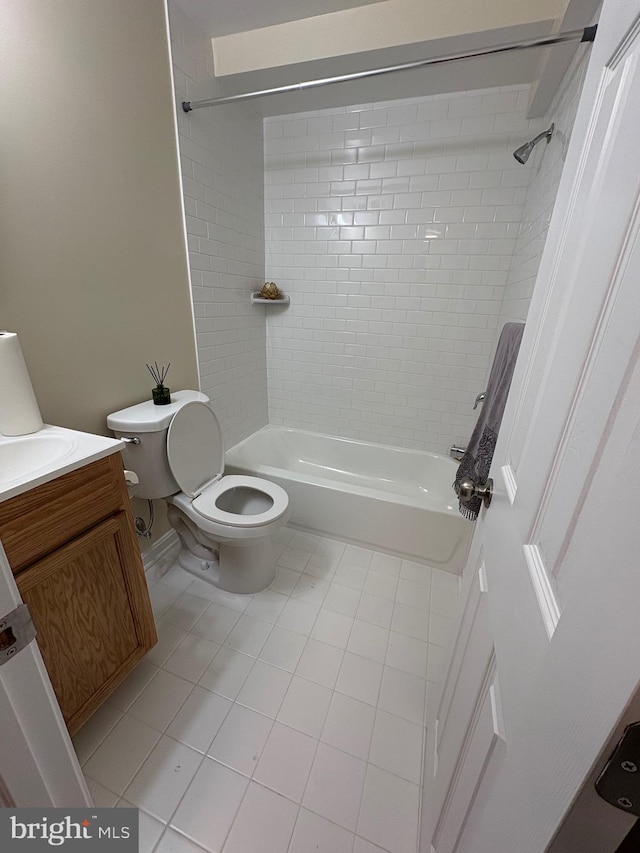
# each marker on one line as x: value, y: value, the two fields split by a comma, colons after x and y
x: 259, y: 300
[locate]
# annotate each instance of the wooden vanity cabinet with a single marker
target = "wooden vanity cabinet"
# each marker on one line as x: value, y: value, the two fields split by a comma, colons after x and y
x: 72, y: 546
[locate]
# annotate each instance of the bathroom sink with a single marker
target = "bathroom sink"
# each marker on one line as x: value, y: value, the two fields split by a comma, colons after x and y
x: 22, y: 456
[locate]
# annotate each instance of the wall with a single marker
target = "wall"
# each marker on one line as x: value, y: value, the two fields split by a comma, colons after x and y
x: 547, y: 162
x: 392, y: 227
x: 93, y: 263
x: 222, y: 166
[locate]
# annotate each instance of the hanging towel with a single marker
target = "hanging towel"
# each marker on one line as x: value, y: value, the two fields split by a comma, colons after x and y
x: 476, y: 462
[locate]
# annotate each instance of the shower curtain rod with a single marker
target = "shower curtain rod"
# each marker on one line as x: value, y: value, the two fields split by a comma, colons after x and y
x: 587, y: 34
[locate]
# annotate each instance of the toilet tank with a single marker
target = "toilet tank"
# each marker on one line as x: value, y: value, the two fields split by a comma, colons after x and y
x: 150, y: 423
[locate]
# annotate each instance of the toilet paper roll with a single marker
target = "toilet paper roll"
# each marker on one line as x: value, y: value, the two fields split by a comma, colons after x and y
x: 19, y: 411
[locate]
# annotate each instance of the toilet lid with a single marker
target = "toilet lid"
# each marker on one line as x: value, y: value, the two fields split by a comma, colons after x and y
x: 195, y: 449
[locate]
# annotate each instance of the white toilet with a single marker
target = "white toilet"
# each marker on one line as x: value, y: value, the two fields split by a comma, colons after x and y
x: 224, y: 523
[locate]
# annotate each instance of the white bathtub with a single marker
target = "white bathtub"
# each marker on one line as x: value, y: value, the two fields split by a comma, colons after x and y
x: 388, y: 498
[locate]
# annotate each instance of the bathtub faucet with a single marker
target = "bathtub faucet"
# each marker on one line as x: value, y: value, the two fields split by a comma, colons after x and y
x: 457, y: 452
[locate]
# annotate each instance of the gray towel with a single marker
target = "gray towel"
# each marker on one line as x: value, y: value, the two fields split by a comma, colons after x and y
x: 476, y: 462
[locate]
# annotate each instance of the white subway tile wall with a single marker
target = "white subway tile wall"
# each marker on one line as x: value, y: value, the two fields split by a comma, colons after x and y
x: 392, y: 226
x: 222, y: 172
x: 548, y: 162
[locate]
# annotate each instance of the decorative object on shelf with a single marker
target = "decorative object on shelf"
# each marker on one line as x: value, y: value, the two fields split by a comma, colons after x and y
x: 161, y: 394
x: 270, y: 290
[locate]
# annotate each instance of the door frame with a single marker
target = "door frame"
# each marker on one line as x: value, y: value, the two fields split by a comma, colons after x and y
x: 39, y: 763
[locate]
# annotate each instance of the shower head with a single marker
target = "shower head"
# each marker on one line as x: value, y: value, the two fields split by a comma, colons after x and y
x: 522, y: 154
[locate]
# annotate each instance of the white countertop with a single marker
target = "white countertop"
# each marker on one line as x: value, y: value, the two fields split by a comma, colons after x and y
x: 57, y: 451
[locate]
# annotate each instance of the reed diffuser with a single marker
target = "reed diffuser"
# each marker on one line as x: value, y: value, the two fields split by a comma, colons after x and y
x: 161, y: 394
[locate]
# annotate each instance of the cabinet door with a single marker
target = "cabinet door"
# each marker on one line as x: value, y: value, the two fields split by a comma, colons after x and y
x: 91, y: 607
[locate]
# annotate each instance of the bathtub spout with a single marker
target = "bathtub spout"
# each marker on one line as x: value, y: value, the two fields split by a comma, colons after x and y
x: 456, y: 452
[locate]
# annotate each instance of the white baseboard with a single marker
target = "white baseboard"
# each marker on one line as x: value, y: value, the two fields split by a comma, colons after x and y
x: 163, y: 550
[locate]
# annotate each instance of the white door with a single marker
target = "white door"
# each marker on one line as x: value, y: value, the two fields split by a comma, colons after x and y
x: 548, y: 652
x: 38, y: 765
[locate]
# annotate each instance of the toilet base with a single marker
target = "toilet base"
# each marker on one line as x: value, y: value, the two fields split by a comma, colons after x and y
x: 245, y: 568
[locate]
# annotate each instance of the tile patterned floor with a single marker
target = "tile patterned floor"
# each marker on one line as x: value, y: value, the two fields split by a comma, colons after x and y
x: 286, y: 722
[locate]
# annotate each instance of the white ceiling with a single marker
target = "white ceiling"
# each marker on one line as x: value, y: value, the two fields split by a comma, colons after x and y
x: 224, y: 17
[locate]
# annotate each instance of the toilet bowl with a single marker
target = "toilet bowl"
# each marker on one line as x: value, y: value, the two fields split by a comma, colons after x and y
x: 224, y: 523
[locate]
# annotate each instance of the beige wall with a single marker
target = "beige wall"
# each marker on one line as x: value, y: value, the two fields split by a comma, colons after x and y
x: 93, y: 267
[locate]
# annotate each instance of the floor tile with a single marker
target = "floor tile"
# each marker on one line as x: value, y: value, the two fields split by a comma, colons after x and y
x: 128, y: 691
x: 161, y: 700
x: 375, y: 610
x: 162, y: 598
x: 413, y: 594
x: 416, y: 572
x: 329, y: 548
x: 389, y: 813
x: 149, y: 830
x: 444, y: 602
x: 445, y: 580
x: 233, y: 600
x: 305, y: 706
x: 174, y: 842
x: 283, y: 648
x: 335, y: 786
x: 186, y: 611
x: 408, y: 654
x: 403, y: 694
x: 121, y: 754
x: 174, y: 575
x: 285, y: 580
x: 192, y: 656
x: 241, y: 739
x: 315, y: 833
x: 102, y: 797
x: 249, y: 635
x: 216, y: 623
x: 227, y: 672
x: 298, y: 616
x: 264, y: 689
x: 286, y: 761
x: 322, y: 566
x: 381, y: 585
x: 411, y: 621
x: 204, y: 589
x: 266, y: 606
x: 368, y: 641
x: 440, y: 629
x: 94, y: 731
x: 197, y: 722
x: 349, y: 725
x: 164, y: 777
x: 320, y: 662
x: 294, y: 558
x: 357, y: 556
x: 310, y: 589
x: 342, y: 599
x: 168, y: 638
x: 350, y: 576
x: 305, y: 541
x: 397, y: 746
x: 364, y: 846
x: 210, y: 805
x: 386, y: 564
x: 264, y: 823
x: 435, y: 662
x: 360, y: 678
x: 338, y: 617
x: 332, y: 628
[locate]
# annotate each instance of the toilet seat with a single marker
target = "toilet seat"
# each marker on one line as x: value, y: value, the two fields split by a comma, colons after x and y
x: 206, y: 503
x: 196, y: 458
